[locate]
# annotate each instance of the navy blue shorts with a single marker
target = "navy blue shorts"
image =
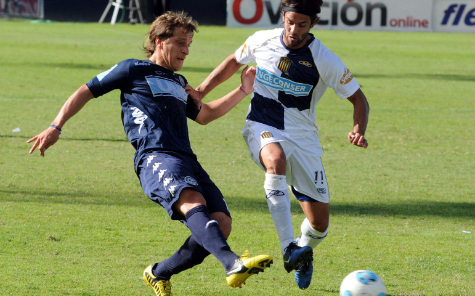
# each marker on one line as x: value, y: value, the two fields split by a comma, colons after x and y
x: 163, y: 175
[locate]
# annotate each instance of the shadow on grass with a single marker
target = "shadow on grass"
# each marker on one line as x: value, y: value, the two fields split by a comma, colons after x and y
x: 425, y: 76
x: 401, y: 209
x: 73, y: 198
x: 255, y: 205
x: 68, y: 139
x: 100, y: 67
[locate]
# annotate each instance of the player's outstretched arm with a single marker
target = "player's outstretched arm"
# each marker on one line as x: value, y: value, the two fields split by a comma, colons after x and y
x: 217, y: 108
x: 50, y: 136
x: 360, y: 119
x: 220, y: 74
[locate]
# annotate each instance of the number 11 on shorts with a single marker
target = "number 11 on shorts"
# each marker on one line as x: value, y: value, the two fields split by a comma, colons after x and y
x: 319, y: 177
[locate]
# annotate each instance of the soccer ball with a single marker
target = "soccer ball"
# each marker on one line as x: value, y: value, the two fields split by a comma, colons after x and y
x: 362, y: 283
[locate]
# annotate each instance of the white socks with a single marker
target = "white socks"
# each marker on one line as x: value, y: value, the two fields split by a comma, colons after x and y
x: 310, y: 237
x: 278, y: 201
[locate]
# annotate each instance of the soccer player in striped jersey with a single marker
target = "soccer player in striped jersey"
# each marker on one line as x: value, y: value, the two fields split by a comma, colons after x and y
x: 294, y: 69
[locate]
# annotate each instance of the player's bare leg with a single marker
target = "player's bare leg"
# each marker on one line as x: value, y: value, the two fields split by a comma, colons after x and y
x: 315, y: 226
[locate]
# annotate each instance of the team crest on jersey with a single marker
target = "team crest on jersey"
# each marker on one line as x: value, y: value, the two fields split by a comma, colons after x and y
x: 347, y: 77
x: 284, y: 64
x: 305, y: 63
x: 266, y: 135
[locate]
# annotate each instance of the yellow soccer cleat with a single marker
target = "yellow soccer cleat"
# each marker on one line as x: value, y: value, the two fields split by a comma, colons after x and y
x: 245, y: 267
x: 161, y: 287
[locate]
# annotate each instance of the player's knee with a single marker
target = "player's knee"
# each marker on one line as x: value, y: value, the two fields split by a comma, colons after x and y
x: 320, y: 225
x: 275, y: 164
x: 224, y: 222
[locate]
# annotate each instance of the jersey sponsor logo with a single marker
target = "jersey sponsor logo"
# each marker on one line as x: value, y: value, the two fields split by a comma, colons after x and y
x: 161, y: 86
x: 266, y: 135
x: 284, y: 64
x: 139, y: 116
x: 347, y: 77
x: 104, y: 74
x: 305, y: 63
x: 190, y: 180
x: 288, y: 86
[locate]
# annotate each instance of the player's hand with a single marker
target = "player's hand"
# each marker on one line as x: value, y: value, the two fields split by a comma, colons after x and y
x: 247, y: 78
x: 195, y: 95
x: 44, y: 140
x: 357, y: 140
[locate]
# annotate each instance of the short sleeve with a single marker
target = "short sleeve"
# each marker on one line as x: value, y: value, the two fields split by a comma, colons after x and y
x: 114, y: 78
x: 335, y: 73
x: 244, y: 53
x: 192, y: 110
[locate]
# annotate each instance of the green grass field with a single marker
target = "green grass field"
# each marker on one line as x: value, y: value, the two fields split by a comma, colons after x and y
x: 77, y: 222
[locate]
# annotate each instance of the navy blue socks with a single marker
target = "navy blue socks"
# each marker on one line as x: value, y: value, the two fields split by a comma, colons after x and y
x: 206, y: 237
x: 207, y: 233
x: 189, y: 255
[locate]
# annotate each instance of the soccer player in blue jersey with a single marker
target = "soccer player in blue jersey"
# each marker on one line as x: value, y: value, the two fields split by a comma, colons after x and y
x: 155, y: 105
x: 293, y: 71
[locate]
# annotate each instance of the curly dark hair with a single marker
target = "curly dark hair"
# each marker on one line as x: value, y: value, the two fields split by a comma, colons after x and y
x: 311, y: 7
x: 164, y: 26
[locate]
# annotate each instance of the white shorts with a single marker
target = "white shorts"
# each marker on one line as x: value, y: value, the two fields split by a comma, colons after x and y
x: 305, y: 171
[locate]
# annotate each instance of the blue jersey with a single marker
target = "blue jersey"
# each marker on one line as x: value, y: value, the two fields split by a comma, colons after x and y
x: 154, y: 105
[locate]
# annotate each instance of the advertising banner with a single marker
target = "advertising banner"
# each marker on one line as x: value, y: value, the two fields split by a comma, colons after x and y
x: 22, y: 8
x: 454, y: 16
x: 367, y: 15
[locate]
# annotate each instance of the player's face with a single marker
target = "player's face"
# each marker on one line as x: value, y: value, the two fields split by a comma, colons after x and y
x: 296, y: 28
x: 174, y: 50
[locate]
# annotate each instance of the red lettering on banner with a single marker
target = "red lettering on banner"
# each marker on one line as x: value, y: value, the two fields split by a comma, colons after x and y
x: 409, y: 22
x: 257, y: 16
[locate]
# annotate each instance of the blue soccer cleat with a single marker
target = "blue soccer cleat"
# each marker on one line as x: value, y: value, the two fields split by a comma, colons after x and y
x: 296, y: 256
x: 303, y: 275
